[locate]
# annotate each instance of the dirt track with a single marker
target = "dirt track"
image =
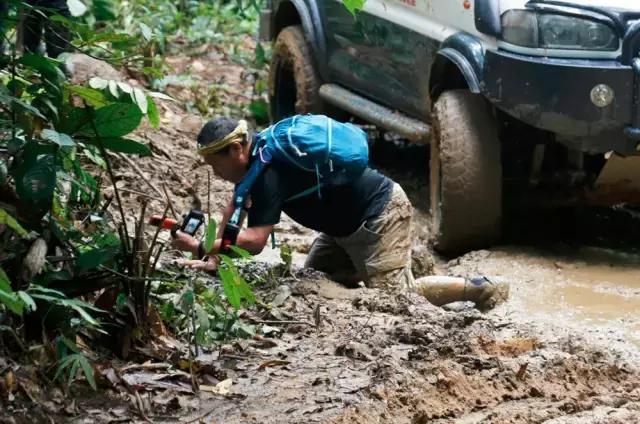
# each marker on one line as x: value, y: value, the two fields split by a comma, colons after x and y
x: 552, y: 354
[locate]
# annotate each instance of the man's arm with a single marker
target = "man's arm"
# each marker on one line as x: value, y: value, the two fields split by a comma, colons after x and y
x: 251, y: 239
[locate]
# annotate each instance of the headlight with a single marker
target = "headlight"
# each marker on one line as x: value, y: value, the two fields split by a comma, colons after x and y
x: 549, y: 31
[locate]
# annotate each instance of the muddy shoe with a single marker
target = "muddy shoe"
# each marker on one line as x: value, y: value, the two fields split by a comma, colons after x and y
x: 486, y: 293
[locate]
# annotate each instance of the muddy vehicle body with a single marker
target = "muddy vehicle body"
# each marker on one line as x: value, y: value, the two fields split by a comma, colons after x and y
x: 541, y: 97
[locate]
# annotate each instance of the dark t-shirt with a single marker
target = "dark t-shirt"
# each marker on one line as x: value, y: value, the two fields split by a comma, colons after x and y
x: 338, y: 212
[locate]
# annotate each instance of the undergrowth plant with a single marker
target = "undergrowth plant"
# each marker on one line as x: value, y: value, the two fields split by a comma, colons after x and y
x: 205, y: 310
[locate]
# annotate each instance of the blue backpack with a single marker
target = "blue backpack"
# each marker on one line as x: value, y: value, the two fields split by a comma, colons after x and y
x: 335, y: 152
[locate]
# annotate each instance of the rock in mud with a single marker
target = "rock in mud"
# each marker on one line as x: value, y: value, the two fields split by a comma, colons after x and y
x: 81, y: 68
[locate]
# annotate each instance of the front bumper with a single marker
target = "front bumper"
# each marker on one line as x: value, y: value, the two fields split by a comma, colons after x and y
x: 554, y: 95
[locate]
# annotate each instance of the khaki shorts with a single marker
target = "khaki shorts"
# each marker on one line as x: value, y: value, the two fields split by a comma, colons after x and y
x: 378, y: 253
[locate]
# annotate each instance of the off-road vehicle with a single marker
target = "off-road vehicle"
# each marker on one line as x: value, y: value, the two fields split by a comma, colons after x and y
x: 461, y: 75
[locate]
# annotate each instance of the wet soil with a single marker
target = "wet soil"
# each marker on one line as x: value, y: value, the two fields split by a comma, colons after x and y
x: 562, y: 350
x: 376, y: 358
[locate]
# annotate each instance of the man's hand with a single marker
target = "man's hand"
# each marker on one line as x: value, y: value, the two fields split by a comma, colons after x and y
x: 210, y: 265
x: 183, y: 241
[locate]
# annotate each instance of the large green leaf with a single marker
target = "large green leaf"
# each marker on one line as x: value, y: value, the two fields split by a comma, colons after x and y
x: 140, y: 99
x: 94, y: 156
x: 210, y: 238
x: 88, y: 371
x: 113, y: 89
x: 240, y: 252
x: 353, y: 6
x: 27, y: 300
x: 117, y: 119
x: 8, y: 297
x: 61, y: 139
x: 83, y: 313
x: 235, y: 287
x: 76, y: 122
x: 123, y: 145
x: 152, y: 113
x: 11, y: 222
x: 14, y: 101
x: 113, y: 120
x: 158, y: 95
x: 230, y: 289
x: 93, y: 97
x: 104, y: 10
x: 64, y: 363
x: 73, y: 372
x: 42, y: 64
x: 94, y: 258
x: 5, y: 283
x: 11, y: 301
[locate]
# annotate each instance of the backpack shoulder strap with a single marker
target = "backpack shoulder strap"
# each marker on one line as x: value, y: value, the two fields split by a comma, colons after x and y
x: 315, y: 188
x: 262, y: 159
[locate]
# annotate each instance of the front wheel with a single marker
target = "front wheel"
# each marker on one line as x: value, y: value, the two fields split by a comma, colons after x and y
x: 466, y: 173
x: 293, y: 79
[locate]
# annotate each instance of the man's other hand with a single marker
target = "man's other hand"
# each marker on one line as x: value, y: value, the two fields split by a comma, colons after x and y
x: 210, y: 265
x: 183, y: 241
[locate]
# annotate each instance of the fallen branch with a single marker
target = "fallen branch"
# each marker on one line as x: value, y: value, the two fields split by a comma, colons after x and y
x: 281, y: 322
x: 136, y: 367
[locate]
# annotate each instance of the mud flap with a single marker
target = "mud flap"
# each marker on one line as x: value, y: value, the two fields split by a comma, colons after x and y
x: 618, y: 182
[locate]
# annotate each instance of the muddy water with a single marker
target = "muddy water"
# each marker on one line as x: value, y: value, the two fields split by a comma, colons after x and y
x: 592, y: 292
x: 577, y: 271
x: 593, y: 287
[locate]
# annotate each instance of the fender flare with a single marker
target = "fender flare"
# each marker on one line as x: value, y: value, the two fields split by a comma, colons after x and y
x: 310, y: 18
x: 467, y: 53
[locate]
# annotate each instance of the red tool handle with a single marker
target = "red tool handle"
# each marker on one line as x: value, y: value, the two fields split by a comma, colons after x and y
x: 166, y: 223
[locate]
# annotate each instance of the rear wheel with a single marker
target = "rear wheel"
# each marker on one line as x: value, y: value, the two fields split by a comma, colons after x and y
x: 293, y: 79
x: 466, y: 173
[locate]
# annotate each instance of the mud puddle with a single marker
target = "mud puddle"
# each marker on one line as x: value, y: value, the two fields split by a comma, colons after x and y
x: 602, y: 293
x: 574, y: 268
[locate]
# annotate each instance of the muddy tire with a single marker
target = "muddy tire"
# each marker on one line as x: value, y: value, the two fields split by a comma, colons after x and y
x: 466, y: 174
x: 293, y: 79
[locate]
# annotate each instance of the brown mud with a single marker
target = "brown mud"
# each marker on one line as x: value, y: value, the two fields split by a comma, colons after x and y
x: 562, y: 350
